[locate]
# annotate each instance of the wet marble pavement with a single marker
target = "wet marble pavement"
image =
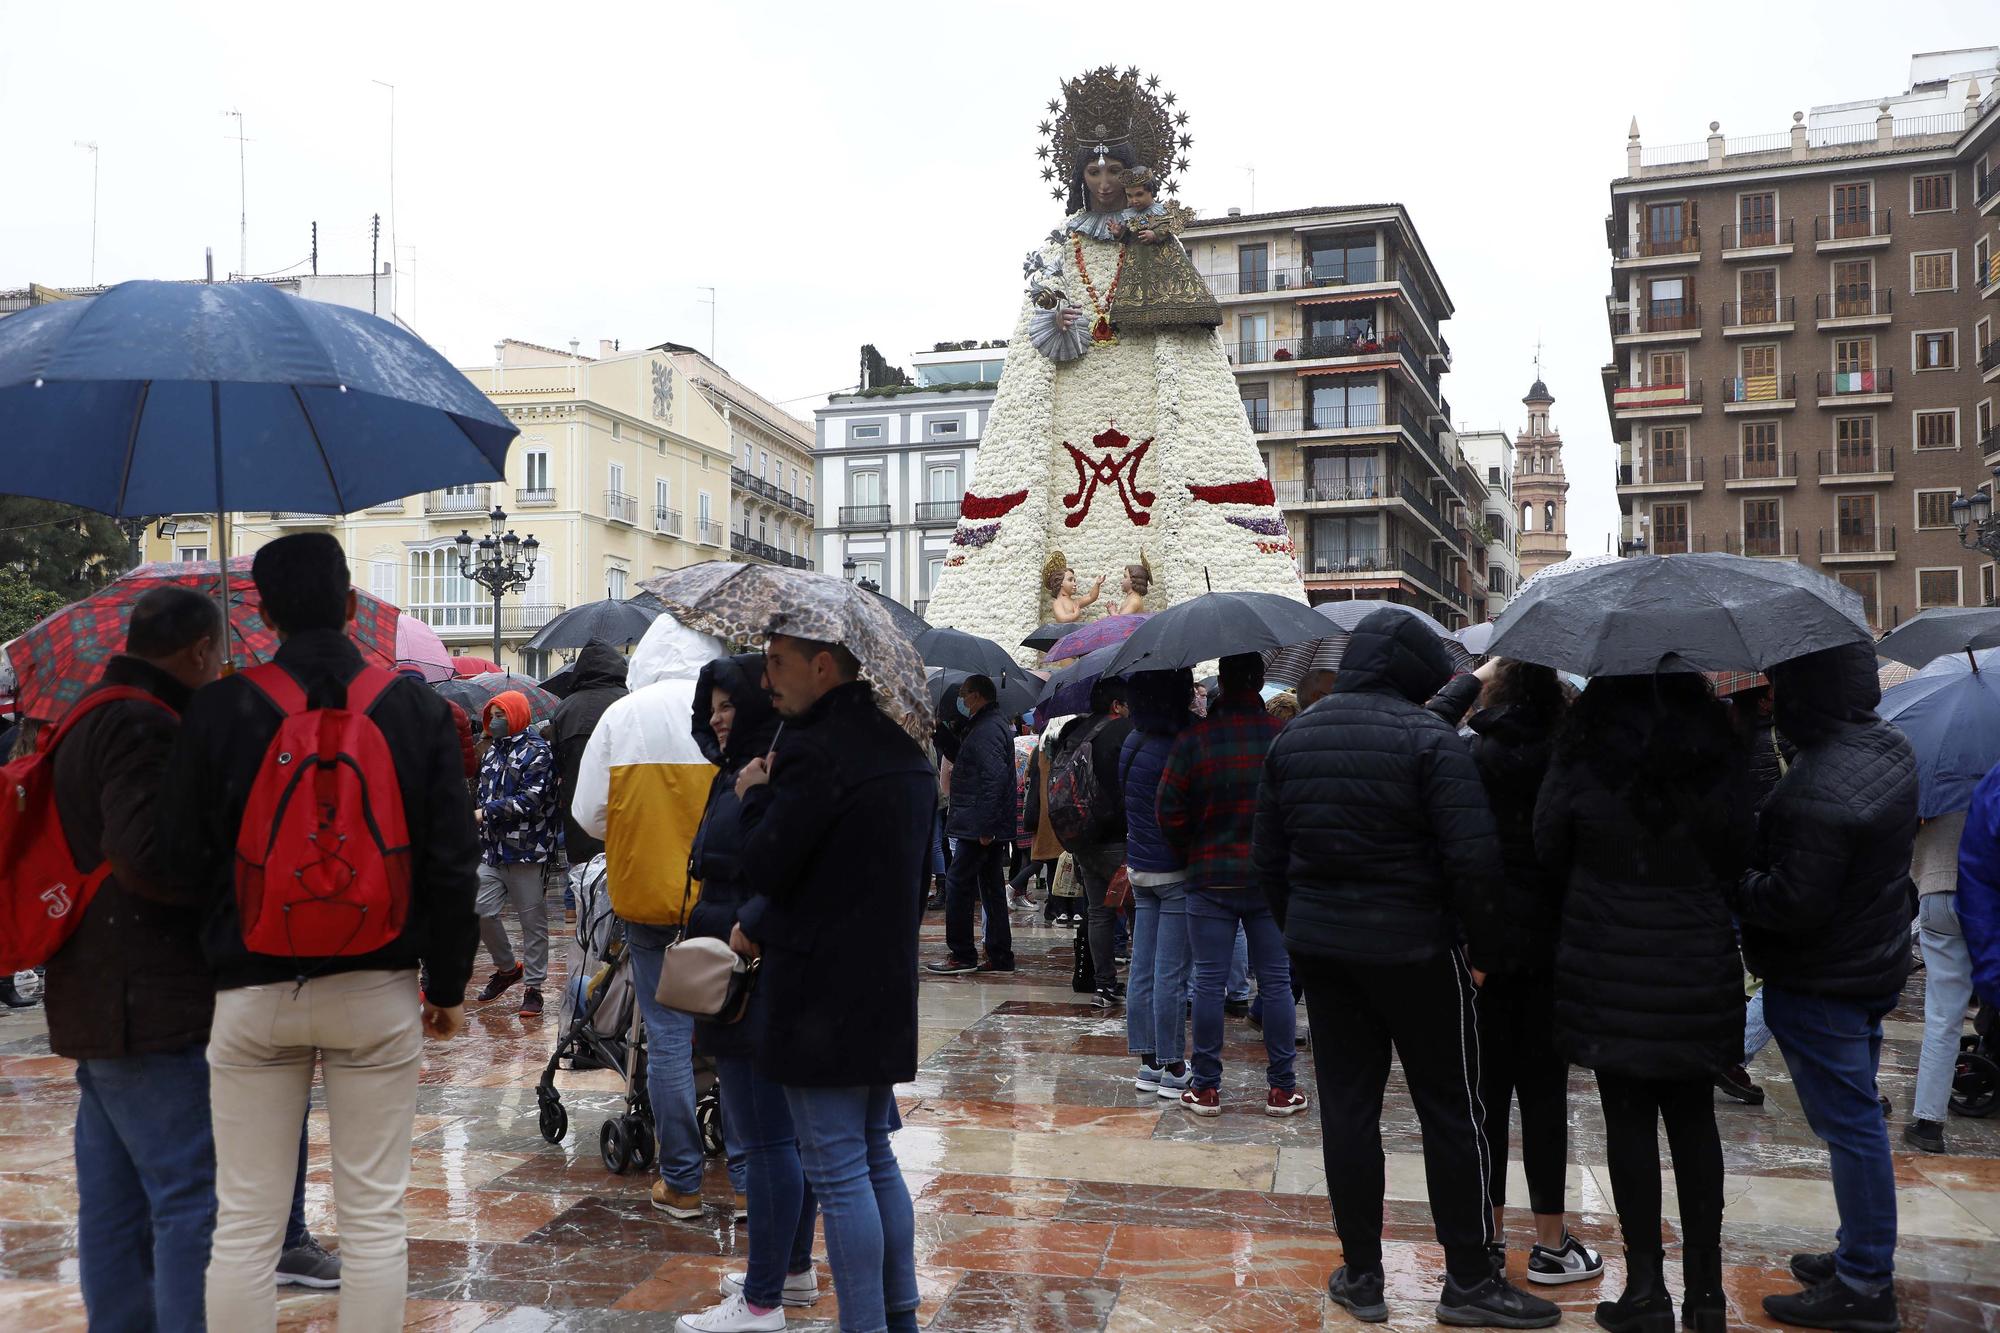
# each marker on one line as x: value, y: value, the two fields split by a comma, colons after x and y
x: 1049, y: 1195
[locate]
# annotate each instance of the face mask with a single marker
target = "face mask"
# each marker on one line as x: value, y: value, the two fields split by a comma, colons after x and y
x: 496, y: 726
x: 963, y: 711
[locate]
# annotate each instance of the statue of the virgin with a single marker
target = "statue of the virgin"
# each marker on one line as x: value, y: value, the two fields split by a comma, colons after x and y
x: 1117, y: 436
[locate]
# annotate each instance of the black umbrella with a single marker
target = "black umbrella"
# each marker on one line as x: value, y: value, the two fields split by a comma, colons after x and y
x: 1290, y: 666
x: 1017, y: 690
x: 561, y: 682
x: 1942, y: 630
x: 619, y: 623
x: 1216, y: 624
x: 1047, y: 636
x: 1703, y: 612
x: 954, y: 648
x: 1068, y: 691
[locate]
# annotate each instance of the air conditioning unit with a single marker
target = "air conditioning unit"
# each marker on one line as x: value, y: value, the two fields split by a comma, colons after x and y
x: 1284, y: 281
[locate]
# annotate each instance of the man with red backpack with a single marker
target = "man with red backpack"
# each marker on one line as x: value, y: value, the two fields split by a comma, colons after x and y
x: 318, y: 806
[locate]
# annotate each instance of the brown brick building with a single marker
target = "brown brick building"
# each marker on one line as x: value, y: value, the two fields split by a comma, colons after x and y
x: 1804, y: 355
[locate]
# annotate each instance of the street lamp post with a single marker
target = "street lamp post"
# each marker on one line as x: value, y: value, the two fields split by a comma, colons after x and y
x: 500, y: 563
x: 1977, y: 528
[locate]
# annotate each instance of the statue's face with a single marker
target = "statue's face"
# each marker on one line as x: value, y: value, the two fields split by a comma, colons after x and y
x: 1069, y: 583
x: 1125, y: 581
x: 1104, y: 185
x: 1139, y: 196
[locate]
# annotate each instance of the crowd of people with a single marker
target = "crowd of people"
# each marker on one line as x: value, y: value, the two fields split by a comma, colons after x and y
x: 1492, y: 876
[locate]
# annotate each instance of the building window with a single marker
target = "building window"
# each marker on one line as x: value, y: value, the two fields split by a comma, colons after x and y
x: 1253, y: 338
x: 942, y: 483
x: 1665, y: 368
x: 1937, y: 349
x: 763, y: 465
x: 1854, y: 524
x: 1853, y: 288
x: 614, y: 583
x: 1937, y: 587
x: 1986, y: 585
x: 864, y: 432
x: 1853, y: 356
x: 663, y: 498
x: 1337, y: 259
x: 190, y: 554
x: 1934, y: 271
x: 1667, y: 459
x: 1982, y: 421
x: 1934, y: 509
x: 1668, y: 225
x: 869, y: 568
x: 1670, y: 529
x: 535, y: 663
x: 1853, y: 445
x: 1253, y: 268
x: 617, y: 476
x: 537, y: 470
x: 1760, y: 372
x: 615, y: 432
x: 933, y: 573
x: 940, y: 429
x: 1757, y: 218
x: 1666, y: 304
x: 864, y: 488
x: 1864, y: 583
x: 702, y: 512
x: 1757, y: 294
x: 1761, y: 533
x: 443, y: 598
x: 795, y: 481
x: 1256, y: 405
x: 1853, y: 210
x: 1760, y: 449
x: 1930, y: 194
x: 1337, y: 405
x: 1937, y: 429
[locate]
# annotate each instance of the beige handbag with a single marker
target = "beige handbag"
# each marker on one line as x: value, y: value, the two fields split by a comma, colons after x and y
x: 706, y: 978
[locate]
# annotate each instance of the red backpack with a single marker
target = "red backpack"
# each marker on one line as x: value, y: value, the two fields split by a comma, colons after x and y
x: 323, y: 856
x: 42, y: 892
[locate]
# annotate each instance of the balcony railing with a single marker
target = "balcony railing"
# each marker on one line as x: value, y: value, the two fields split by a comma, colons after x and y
x: 1764, y: 467
x: 1842, y: 383
x: 1249, y: 282
x: 1984, y: 187
x: 1760, y: 388
x: 528, y: 616
x: 795, y: 504
x: 1430, y: 575
x: 1858, y: 539
x: 1343, y: 559
x: 1668, y: 470
x: 1778, y: 231
x: 1414, y: 498
x: 620, y: 507
x: 1322, y: 347
x: 1850, y: 461
x: 1989, y: 356
x: 1989, y: 439
x: 461, y: 500
x: 744, y: 544
x: 1649, y: 246
x: 864, y: 516
x: 301, y: 516
x: 708, y: 532
x: 739, y: 541
x: 1667, y: 317
x: 1852, y: 303
x: 938, y: 511
x: 667, y: 520
x: 1636, y: 397
x: 1768, y: 541
x: 1851, y: 226
x: 534, y: 497
x: 1750, y: 314
x: 1321, y: 492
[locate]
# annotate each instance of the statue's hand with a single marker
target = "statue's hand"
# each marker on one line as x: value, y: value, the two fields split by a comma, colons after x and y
x: 1068, y: 316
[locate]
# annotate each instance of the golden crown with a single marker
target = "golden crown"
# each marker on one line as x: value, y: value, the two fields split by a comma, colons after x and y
x: 1104, y: 111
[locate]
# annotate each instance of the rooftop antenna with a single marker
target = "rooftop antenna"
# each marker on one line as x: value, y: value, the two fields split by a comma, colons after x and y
x: 242, y: 197
x: 395, y: 254
x: 91, y: 148
x: 710, y: 303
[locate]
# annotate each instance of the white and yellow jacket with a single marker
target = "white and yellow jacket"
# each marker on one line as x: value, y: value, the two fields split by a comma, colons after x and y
x: 644, y: 783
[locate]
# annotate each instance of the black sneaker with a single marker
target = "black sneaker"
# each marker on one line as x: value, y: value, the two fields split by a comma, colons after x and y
x: 1735, y: 1082
x: 951, y: 967
x: 309, y: 1265
x: 1572, y: 1261
x: 991, y: 966
x: 1924, y: 1135
x: 1834, y: 1304
x: 1105, y: 998
x: 1360, y: 1294
x: 500, y: 983
x: 1494, y: 1303
x: 1813, y: 1269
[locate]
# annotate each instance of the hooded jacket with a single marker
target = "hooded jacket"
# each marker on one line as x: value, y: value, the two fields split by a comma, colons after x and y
x: 643, y: 782
x: 1828, y: 912
x: 598, y: 683
x: 1373, y: 841
x: 1978, y: 902
x: 1512, y: 746
x: 517, y: 789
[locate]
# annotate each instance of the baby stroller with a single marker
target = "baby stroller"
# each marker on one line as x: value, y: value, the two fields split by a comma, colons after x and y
x: 1975, y: 1084
x: 602, y: 1029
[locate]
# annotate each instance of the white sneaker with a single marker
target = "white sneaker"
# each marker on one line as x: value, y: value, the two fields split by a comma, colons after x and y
x: 800, y: 1288
x: 732, y: 1316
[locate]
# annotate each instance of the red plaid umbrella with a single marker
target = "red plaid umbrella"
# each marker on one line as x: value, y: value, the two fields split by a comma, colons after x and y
x: 63, y: 655
x: 1726, y: 683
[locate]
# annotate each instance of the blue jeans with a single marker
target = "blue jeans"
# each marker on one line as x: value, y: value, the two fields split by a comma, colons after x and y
x: 1155, y: 1013
x: 1214, y: 922
x: 1756, y: 1032
x: 1239, y: 968
x: 1947, y: 992
x: 1833, y: 1047
x: 781, y: 1203
x: 145, y: 1182
x: 978, y: 876
x: 870, y: 1226
x: 669, y: 1063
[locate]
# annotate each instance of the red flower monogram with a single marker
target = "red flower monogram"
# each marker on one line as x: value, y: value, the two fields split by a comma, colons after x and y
x: 1116, y: 466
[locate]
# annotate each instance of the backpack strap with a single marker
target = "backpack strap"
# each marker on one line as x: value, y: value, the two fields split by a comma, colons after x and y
x: 367, y: 688
x: 277, y: 685
x: 95, y: 699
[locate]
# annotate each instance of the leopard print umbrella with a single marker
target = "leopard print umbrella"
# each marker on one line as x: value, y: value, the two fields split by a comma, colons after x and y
x: 744, y: 604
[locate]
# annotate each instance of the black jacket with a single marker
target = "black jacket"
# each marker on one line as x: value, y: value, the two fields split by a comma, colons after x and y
x: 599, y: 682
x: 1108, y: 830
x: 1828, y: 910
x: 1373, y: 841
x: 1648, y: 980
x: 717, y: 857
x: 132, y: 979
x: 984, y: 802
x: 224, y: 734
x: 838, y: 848
x: 1512, y: 745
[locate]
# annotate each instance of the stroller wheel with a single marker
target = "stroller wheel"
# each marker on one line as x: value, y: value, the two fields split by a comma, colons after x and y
x: 554, y: 1121
x: 1975, y: 1085
x: 708, y: 1119
x: 639, y: 1138
x: 612, y: 1145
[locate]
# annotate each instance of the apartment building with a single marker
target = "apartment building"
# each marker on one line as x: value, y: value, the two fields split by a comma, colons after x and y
x: 895, y: 460
x: 771, y: 476
x: 1331, y: 319
x: 1802, y: 329
x: 1490, y: 453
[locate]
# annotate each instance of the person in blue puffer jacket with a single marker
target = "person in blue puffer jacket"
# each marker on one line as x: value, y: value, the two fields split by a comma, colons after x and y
x: 1155, y: 1010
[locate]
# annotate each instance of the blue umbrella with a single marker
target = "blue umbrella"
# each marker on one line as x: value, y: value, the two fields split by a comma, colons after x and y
x: 1951, y: 712
x: 163, y: 397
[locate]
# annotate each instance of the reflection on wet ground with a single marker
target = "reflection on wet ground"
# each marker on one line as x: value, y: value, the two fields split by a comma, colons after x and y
x: 1049, y: 1195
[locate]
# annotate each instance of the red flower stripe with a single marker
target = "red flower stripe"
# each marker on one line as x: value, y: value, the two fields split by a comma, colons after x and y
x: 978, y: 507
x: 1256, y: 492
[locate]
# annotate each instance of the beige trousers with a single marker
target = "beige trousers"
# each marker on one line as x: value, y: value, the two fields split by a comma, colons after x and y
x: 365, y: 1029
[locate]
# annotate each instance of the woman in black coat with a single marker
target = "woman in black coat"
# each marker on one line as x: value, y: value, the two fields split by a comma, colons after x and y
x: 1513, y: 742
x: 1644, y: 820
x: 734, y: 723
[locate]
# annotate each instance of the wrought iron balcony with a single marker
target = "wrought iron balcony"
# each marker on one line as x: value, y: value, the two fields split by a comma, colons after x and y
x: 534, y: 497
x: 938, y: 511
x: 465, y: 500
x: 620, y: 507
x: 667, y: 520
x: 864, y: 516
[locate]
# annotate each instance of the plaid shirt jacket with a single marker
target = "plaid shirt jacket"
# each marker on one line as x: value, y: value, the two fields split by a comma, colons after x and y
x: 1208, y: 794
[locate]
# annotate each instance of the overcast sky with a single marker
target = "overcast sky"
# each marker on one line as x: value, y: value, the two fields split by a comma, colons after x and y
x: 843, y: 174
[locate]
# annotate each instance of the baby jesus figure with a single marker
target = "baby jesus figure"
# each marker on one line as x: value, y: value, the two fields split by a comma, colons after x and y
x: 1160, y: 288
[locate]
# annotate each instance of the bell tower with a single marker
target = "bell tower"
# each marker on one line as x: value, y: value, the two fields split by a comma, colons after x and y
x: 1540, y: 488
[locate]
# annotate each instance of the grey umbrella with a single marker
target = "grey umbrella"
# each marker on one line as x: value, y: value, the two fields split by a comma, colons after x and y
x: 1216, y: 624
x: 1290, y: 666
x: 1045, y: 637
x: 1703, y: 612
x: 1932, y: 634
x: 619, y: 623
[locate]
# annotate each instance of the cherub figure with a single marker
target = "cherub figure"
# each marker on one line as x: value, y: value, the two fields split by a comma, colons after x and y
x: 1136, y: 583
x: 1160, y: 288
x: 1066, y: 604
